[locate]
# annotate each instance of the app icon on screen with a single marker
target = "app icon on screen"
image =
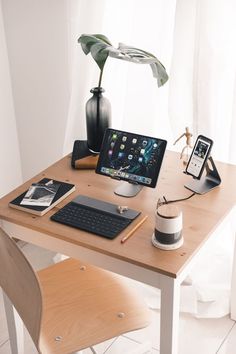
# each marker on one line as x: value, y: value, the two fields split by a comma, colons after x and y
x: 134, y: 141
x: 120, y: 155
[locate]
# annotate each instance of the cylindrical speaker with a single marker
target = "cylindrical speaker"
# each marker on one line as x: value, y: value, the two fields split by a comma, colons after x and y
x: 168, y: 227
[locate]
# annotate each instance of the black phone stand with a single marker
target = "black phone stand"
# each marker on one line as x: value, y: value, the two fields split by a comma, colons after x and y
x: 208, y: 182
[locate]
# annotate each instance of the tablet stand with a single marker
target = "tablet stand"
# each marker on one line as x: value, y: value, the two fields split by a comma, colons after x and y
x: 208, y: 182
x: 128, y: 189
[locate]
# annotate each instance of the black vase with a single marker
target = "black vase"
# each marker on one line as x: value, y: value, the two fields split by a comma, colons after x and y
x: 98, y: 118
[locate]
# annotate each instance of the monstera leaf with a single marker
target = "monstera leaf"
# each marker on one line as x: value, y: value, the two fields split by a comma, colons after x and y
x: 101, y: 48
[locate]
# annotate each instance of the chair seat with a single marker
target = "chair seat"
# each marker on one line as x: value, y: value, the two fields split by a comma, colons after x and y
x: 85, y: 305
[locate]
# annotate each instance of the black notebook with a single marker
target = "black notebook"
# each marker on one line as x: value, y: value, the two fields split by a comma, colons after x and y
x: 42, y: 196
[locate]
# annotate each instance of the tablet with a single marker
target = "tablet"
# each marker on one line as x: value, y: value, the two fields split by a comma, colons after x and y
x: 131, y: 157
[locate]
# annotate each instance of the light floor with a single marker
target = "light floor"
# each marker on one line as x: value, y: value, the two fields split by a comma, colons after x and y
x: 197, y: 336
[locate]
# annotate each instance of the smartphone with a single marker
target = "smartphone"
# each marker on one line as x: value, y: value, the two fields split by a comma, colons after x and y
x: 199, y: 156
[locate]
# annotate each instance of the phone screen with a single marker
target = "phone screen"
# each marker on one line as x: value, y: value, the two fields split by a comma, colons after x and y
x: 199, y: 156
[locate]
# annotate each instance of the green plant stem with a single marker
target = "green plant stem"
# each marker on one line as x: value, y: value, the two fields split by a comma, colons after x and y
x: 100, y: 78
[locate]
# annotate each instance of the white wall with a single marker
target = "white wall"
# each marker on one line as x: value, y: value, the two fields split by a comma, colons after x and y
x: 37, y: 40
x: 10, y: 169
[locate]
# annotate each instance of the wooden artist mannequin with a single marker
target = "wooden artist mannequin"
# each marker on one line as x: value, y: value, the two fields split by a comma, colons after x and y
x: 185, y: 150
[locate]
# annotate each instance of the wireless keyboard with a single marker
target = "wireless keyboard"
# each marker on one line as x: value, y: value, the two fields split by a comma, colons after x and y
x: 91, y: 219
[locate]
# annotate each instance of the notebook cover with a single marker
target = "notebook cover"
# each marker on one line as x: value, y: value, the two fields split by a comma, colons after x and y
x: 64, y: 190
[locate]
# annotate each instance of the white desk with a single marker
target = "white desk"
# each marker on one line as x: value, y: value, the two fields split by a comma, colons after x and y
x: 136, y: 258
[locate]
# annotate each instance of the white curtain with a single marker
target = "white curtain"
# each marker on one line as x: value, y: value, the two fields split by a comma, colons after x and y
x: 202, y: 95
x: 83, y: 17
x: 202, y: 77
x: 195, y: 40
x: 135, y: 98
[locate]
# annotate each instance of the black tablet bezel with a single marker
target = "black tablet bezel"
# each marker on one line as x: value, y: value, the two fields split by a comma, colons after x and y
x: 133, y: 135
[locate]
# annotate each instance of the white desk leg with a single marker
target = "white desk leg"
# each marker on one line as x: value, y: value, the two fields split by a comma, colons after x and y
x: 15, y: 327
x: 233, y: 287
x: 169, y: 331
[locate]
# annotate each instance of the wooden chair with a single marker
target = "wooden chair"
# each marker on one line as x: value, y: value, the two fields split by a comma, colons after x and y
x: 68, y: 306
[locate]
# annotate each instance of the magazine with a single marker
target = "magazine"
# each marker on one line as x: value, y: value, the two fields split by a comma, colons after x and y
x: 40, y: 194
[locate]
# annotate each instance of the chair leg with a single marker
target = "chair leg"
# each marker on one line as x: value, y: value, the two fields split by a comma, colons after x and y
x: 15, y: 327
x: 91, y: 348
x: 144, y: 348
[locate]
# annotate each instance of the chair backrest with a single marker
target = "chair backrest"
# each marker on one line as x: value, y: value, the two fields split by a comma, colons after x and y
x: 20, y: 283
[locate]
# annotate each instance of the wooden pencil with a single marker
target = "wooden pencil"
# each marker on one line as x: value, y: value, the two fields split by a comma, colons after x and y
x: 129, y: 234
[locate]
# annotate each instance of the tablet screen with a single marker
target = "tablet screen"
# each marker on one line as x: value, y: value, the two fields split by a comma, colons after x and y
x: 131, y: 157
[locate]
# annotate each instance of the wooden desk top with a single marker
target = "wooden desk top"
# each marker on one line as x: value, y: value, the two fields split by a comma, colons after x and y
x: 201, y: 214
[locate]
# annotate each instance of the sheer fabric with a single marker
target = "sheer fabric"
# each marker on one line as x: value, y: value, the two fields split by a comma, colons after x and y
x: 195, y: 40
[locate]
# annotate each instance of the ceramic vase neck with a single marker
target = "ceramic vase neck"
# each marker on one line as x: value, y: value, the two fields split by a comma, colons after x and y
x: 97, y: 90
